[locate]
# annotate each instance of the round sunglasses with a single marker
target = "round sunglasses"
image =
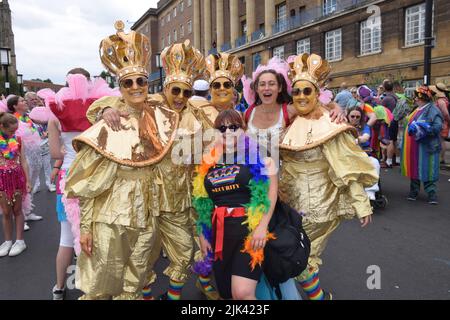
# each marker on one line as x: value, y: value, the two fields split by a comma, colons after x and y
x: 233, y: 128
x: 306, y: 91
x: 177, y: 90
x: 217, y: 85
x: 128, y: 83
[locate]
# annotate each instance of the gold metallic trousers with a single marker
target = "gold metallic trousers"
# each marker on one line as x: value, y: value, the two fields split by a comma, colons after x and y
x: 119, y: 265
x: 175, y: 230
x: 318, y: 234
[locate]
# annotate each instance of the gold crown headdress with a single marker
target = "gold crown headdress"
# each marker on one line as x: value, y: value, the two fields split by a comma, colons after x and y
x: 311, y: 68
x: 182, y: 63
x: 125, y: 54
x: 224, y: 65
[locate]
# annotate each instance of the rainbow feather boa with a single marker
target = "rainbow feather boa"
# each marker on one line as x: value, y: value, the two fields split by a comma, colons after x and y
x: 258, y: 206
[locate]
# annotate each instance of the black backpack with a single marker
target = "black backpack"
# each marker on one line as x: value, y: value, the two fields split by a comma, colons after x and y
x: 287, y: 256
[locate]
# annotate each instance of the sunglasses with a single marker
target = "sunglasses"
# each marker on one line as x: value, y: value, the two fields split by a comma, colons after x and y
x: 218, y: 85
x: 128, y: 83
x: 233, y: 128
x: 355, y: 117
x: 298, y: 91
x: 186, y: 92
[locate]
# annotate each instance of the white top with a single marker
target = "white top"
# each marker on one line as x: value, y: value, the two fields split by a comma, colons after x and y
x: 274, y: 130
x: 70, y: 153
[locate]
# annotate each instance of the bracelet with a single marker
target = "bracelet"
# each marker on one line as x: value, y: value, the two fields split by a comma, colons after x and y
x: 59, y: 168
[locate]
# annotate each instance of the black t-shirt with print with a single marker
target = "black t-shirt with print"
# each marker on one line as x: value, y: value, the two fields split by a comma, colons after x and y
x: 227, y: 185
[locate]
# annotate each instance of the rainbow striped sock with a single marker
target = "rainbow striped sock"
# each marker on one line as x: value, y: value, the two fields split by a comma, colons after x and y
x: 147, y: 293
x: 206, y: 283
x: 175, y: 288
x: 311, y: 286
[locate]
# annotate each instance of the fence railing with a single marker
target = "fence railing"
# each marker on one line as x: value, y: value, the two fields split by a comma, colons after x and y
x: 241, y: 41
x: 225, y: 47
x: 302, y: 18
x: 257, y: 35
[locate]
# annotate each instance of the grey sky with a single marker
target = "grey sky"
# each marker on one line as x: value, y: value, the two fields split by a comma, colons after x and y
x: 54, y: 36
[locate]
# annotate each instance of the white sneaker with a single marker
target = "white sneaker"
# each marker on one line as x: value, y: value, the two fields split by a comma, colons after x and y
x: 58, y: 294
x: 4, y: 248
x: 52, y: 188
x: 36, y: 189
x: 26, y: 227
x: 17, y: 248
x: 33, y: 217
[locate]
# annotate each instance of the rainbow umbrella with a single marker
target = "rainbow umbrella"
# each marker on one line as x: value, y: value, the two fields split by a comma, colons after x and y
x: 384, y: 114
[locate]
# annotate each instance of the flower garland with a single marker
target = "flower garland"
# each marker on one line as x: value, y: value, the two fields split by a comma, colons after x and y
x: 26, y: 119
x: 255, y: 210
x: 8, y: 146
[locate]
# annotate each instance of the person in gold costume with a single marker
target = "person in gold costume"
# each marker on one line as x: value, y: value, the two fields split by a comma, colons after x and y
x: 323, y: 172
x: 172, y: 175
x: 223, y: 72
x: 112, y: 176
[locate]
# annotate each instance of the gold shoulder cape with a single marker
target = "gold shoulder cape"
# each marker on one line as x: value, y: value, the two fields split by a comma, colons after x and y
x: 205, y: 110
x: 144, y: 139
x: 305, y: 134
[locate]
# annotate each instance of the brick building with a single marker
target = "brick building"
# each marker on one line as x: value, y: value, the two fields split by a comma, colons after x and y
x: 35, y: 86
x: 365, y: 40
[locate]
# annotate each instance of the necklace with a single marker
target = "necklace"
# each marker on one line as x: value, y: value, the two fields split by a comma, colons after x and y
x: 26, y: 120
x: 8, y: 146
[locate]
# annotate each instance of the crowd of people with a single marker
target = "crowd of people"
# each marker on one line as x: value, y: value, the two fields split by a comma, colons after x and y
x: 126, y: 190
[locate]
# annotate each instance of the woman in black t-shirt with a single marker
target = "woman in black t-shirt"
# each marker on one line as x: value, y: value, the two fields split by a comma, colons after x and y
x: 235, y: 193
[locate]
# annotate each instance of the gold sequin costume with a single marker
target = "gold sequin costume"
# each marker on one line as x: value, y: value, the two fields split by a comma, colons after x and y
x: 171, y: 180
x: 323, y: 172
x: 113, y: 179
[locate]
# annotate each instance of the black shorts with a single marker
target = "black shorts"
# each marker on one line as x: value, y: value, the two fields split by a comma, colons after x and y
x: 234, y: 263
x: 393, y: 131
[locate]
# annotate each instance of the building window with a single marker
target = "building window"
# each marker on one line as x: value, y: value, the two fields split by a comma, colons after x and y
x: 370, y: 37
x: 189, y: 3
x: 415, y: 25
x: 329, y: 6
x: 168, y: 39
x: 168, y: 17
x: 175, y: 36
x: 181, y: 6
x: 189, y: 26
x: 174, y: 12
x: 333, y: 45
x: 256, y: 60
x: 147, y: 29
x: 162, y: 43
x: 243, y: 28
x: 279, y: 52
x: 162, y: 22
x: 304, y: 46
x: 281, y: 17
x: 181, y: 31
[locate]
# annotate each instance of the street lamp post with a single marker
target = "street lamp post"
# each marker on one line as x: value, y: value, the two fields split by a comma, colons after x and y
x: 428, y: 41
x: 159, y: 65
x: 20, y: 83
x: 5, y: 61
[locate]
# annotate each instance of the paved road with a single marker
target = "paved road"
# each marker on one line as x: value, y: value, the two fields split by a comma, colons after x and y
x: 408, y: 242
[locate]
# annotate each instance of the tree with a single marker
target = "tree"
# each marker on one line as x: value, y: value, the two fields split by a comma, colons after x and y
x: 47, y: 81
